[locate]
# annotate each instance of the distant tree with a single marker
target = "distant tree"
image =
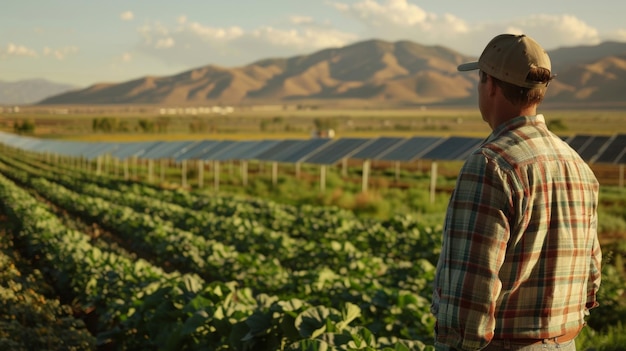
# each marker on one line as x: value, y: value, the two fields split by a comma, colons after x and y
x: 162, y: 124
x: 105, y: 124
x: 123, y: 126
x: 24, y: 127
x: 146, y: 126
x: 325, y: 123
x: 264, y: 125
x: 198, y: 125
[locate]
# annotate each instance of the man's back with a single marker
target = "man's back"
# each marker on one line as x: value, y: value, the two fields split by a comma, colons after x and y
x: 520, y: 260
x: 552, y: 230
x: 520, y: 235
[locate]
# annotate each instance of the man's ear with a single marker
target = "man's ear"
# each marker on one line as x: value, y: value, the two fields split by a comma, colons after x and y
x: 492, y: 87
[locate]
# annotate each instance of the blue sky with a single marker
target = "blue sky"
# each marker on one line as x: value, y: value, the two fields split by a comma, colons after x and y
x: 84, y: 42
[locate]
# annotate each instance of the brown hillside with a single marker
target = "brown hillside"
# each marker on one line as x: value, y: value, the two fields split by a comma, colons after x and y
x: 600, y: 81
x: 400, y: 71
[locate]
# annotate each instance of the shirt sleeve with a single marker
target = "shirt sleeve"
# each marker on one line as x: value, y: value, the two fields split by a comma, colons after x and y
x: 476, y: 233
x: 595, y: 273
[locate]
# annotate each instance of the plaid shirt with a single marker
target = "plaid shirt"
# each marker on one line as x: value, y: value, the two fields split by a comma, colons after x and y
x: 520, y: 255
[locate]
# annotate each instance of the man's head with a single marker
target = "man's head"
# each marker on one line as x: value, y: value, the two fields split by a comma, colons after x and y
x: 520, y: 66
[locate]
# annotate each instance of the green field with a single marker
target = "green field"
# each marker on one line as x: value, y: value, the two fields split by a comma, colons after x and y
x: 100, y: 260
x: 279, y: 123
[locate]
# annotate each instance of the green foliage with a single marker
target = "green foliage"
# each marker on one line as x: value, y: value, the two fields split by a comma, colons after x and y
x: 325, y: 123
x: 273, y: 124
x: 613, y: 338
x: 28, y: 319
x: 611, y: 223
x: 146, y: 125
x: 200, y: 125
x: 556, y: 125
x: 162, y: 124
x: 105, y: 124
x: 259, y: 274
x: 612, y: 294
x: 24, y: 127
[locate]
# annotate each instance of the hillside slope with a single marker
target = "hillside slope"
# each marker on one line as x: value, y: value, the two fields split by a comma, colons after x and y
x: 376, y: 70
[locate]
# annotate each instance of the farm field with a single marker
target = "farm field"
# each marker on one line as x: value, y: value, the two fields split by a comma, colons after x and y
x: 281, y: 123
x: 153, y: 266
x: 232, y: 270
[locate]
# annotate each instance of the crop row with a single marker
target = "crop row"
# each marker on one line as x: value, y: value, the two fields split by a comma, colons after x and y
x: 141, y: 307
x: 402, y: 236
x: 29, y: 318
x: 195, y: 320
x: 254, y: 242
x: 369, y: 275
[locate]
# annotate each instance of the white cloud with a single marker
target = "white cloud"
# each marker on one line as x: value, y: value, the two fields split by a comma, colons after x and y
x: 399, y: 19
x: 127, y: 16
x: 301, y: 39
x: 13, y: 50
x: 195, y: 44
x: 127, y: 57
x: 164, y: 43
x: 556, y: 30
x: 17, y: 50
x: 151, y: 31
x: 60, y: 53
x: 617, y: 35
x: 188, y: 43
x: 211, y: 33
x: 395, y: 12
x: 301, y: 19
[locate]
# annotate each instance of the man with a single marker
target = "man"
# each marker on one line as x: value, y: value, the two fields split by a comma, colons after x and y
x: 520, y: 262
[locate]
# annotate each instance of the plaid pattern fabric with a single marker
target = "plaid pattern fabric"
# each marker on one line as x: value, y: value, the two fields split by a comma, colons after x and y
x: 520, y: 255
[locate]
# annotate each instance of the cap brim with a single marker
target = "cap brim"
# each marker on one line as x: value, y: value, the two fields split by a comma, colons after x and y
x: 470, y: 66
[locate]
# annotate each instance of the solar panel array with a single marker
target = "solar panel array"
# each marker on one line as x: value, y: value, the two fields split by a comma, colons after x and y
x: 592, y: 148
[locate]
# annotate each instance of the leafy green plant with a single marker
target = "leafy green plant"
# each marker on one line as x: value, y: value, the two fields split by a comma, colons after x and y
x: 261, y: 273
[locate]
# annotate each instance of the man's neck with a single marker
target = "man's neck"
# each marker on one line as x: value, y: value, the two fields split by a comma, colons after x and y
x: 506, y: 112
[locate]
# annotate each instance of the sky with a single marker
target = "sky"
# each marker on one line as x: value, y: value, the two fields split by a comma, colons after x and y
x: 84, y: 42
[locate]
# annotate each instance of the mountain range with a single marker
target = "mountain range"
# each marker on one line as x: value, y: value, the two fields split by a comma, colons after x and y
x: 374, y: 70
x: 30, y: 91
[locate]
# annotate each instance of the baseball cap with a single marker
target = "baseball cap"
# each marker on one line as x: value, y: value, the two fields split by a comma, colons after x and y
x: 509, y: 58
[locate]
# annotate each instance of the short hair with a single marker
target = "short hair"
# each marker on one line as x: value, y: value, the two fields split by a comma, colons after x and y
x: 521, y: 96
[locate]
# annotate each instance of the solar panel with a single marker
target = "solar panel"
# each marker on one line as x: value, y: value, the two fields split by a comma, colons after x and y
x: 94, y: 150
x: 600, y: 149
x: 41, y: 146
x: 613, y: 150
x: 196, y: 150
x: 578, y: 142
x: 592, y: 148
x: 260, y: 147
x: 333, y: 152
x: 17, y: 141
x: 621, y: 160
x: 279, y: 150
x: 29, y: 144
x: 239, y: 149
x: 303, y: 149
x: 453, y: 148
x: 378, y: 147
x: 131, y: 149
x: 212, y: 153
x: 167, y: 149
x: 410, y: 149
x: 68, y: 148
x: 471, y: 147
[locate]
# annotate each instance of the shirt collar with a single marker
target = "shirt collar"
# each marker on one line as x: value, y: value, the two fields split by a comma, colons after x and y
x: 515, y: 123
